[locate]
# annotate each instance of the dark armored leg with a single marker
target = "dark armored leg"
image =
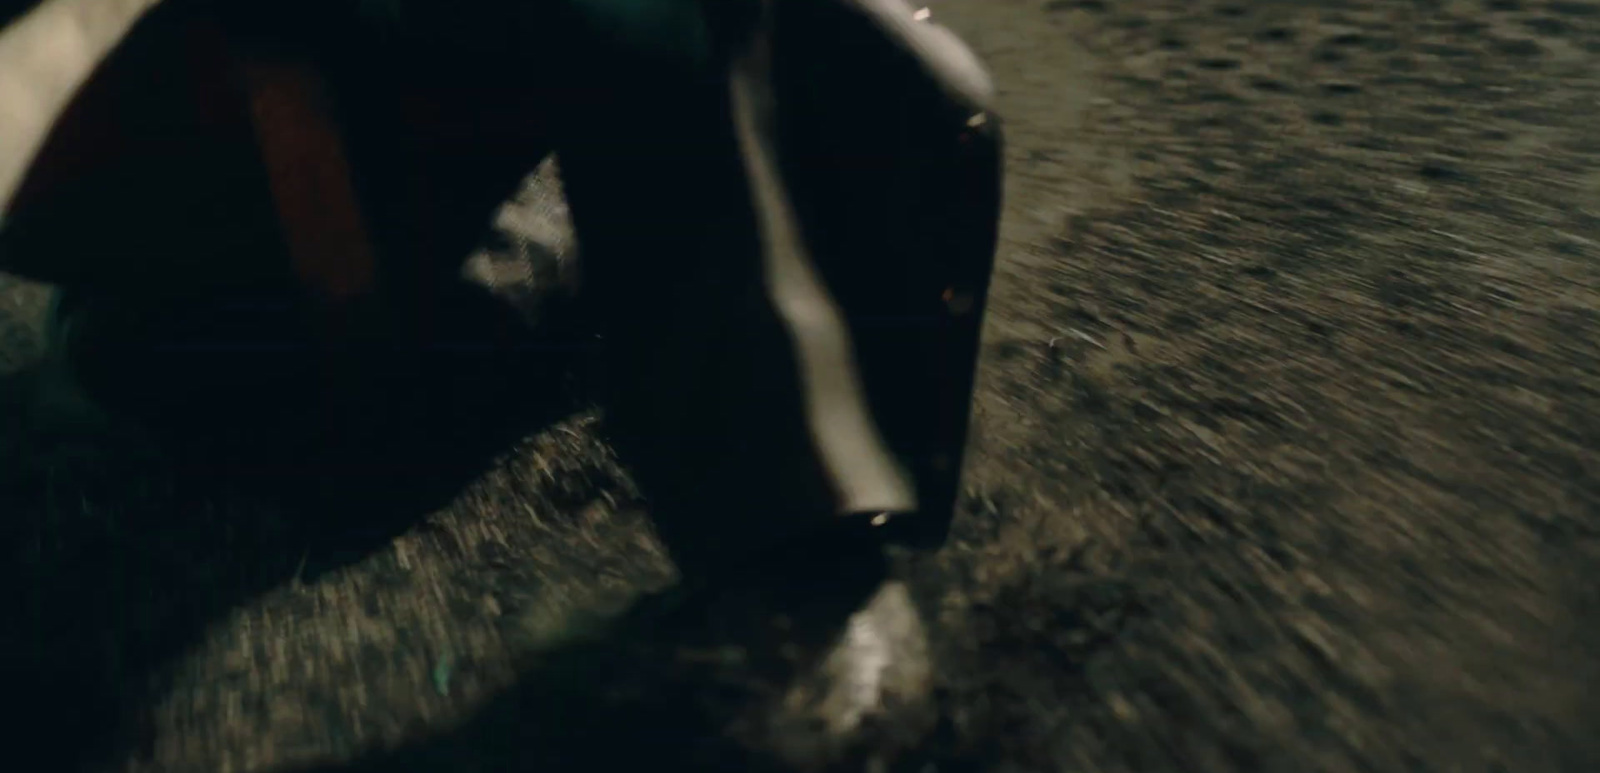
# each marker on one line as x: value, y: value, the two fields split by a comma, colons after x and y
x: 789, y: 243
x: 896, y: 165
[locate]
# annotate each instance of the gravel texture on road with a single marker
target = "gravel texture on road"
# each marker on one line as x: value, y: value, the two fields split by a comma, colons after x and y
x: 1285, y: 456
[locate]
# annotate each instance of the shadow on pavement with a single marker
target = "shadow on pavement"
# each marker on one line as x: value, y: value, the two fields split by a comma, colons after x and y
x: 813, y: 660
x: 227, y: 468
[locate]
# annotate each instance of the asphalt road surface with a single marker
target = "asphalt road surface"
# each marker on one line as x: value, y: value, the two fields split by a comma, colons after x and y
x: 1286, y: 458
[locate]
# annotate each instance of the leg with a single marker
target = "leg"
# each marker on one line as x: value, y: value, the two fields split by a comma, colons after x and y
x: 896, y: 163
x: 756, y: 384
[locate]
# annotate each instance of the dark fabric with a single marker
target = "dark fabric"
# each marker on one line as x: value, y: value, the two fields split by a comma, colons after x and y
x: 151, y: 178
